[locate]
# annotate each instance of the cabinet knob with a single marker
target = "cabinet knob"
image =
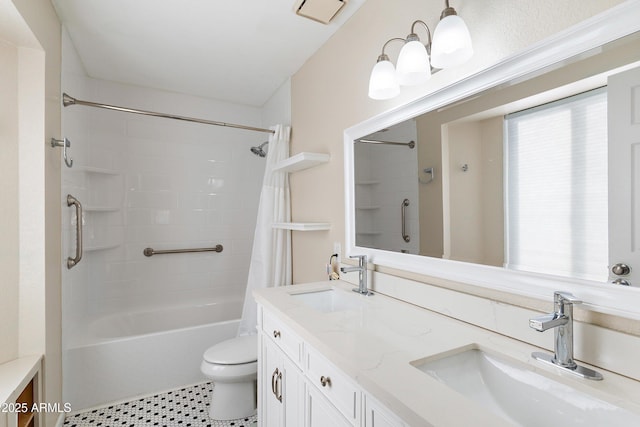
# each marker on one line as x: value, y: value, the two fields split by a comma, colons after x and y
x: 325, y: 381
x: 276, y: 334
x: 621, y: 269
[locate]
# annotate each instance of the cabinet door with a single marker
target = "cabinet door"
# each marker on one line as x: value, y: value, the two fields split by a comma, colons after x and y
x: 281, y: 387
x: 271, y: 410
x: 293, y: 393
x: 319, y: 412
x: 376, y: 415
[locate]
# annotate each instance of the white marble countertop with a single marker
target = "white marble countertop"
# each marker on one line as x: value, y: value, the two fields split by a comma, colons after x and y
x: 376, y: 342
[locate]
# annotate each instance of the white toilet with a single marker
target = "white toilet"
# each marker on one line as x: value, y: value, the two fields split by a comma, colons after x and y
x: 232, y: 365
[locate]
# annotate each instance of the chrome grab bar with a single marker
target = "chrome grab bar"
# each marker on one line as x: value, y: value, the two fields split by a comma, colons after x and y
x: 403, y: 208
x: 72, y: 201
x: 152, y: 252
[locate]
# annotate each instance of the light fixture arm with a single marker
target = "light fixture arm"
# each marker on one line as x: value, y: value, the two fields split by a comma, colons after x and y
x: 413, y: 36
x: 383, y: 56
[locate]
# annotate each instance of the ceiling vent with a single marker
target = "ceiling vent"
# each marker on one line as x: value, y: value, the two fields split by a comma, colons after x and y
x: 319, y: 10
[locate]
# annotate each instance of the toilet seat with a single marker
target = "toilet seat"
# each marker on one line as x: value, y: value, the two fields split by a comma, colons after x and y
x: 235, y: 351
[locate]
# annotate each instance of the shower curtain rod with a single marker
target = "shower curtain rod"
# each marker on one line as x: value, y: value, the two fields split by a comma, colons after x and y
x: 69, y: 100
x: 409, y: 144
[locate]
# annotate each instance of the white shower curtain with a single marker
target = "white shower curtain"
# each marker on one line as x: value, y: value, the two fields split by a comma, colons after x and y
x: 271, y: 255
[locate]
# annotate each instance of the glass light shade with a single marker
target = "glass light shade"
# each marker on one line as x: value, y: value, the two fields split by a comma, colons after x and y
x: 383, y: 83
x: 413, y: 64
x: 451, y: 43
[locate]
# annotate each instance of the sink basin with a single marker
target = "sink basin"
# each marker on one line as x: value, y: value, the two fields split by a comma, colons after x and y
x: 520, y: 395
x: 329, y: 300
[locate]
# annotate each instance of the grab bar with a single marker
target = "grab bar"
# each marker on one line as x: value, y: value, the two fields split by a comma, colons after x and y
x: 403, y: 207
x: 152, y: 252
x: 72, y: 201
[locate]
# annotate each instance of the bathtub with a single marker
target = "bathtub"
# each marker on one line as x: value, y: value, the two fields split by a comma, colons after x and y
x: 135, y: 354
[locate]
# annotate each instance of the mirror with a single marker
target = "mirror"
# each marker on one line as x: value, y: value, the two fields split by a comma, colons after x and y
x: 429, y: 186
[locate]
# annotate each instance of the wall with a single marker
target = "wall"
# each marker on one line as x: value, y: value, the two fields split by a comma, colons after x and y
x: 38, y: 185
x: 9, y: 256
x: 329, y: 93
x: 475, y: 224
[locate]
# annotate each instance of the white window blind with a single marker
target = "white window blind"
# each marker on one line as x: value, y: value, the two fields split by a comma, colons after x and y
x: 556, y: 188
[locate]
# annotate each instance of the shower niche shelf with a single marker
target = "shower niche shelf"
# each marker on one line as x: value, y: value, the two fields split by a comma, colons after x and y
x: 302, y: 226
x: 91, y: 169
x: 101, y: 208
x: 301, y: 161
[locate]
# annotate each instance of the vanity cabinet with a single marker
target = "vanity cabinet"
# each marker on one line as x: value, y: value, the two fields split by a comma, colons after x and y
x: 298, y: 386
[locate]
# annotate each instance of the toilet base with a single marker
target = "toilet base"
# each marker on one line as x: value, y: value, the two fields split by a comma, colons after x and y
x: 231, y: 401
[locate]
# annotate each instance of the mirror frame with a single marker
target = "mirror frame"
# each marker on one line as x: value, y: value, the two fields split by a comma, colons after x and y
x: 554, y: 51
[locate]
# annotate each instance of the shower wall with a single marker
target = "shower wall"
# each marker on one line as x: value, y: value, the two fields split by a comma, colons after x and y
x: 152, y: 182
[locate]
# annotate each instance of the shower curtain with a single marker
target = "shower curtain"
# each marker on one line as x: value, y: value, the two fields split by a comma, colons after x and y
x: 271, y: 255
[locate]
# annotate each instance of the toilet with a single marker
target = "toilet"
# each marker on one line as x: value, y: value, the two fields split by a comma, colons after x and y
x: 232, y: 365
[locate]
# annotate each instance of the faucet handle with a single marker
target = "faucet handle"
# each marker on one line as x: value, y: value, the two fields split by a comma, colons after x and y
x: 563, y: 298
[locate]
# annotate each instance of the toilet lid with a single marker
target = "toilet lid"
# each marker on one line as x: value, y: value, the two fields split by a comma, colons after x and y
x: 235, y: 351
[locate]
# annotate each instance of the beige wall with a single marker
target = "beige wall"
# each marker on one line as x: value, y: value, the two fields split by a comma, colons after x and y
x: 8, y: 208
x: 37, y: 189
x: 329, y: 93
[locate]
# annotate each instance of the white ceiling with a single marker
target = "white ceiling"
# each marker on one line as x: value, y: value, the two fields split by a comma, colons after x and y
x: 233, y: 50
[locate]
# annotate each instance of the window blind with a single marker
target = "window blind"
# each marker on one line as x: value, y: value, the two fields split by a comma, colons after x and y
x: 556, y: 187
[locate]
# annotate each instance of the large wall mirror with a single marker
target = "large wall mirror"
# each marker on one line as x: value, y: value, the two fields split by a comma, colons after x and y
x: 509, y: 179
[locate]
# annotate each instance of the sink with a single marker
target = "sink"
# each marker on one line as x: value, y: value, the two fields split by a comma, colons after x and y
x: 329, y: 300
x: 512, y: 391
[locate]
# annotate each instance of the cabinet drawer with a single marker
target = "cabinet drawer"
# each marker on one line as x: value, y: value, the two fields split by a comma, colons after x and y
x: 339, y: 389
x: 284, y: 338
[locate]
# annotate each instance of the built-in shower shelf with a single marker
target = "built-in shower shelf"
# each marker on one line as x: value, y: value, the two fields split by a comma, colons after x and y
x: 367, y: 208
x: 367, y: 182
x: 302, y: 226
x: 101, y: 209
x: 368, y: 233
x: 301, y: 161
x: 90, y: 169
x: 101, y: 247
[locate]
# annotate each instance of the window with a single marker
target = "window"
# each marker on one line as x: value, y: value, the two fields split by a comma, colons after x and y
x: 561, y: 148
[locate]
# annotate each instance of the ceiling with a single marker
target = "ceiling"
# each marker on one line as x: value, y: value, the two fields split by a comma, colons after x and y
x: 236, y: 51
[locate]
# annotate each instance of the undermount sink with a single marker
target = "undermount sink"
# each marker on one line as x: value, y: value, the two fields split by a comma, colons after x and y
x: 328, y: 300
x: 520, y: 395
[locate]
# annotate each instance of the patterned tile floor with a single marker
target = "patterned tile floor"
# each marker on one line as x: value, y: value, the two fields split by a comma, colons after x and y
x: 178, y: 408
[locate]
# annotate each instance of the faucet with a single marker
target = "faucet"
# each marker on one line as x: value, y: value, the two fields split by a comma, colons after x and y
x: 362, y: 274
x: 561, y: 320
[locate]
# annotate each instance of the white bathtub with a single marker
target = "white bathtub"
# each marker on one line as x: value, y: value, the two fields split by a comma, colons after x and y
x: 134, y: 354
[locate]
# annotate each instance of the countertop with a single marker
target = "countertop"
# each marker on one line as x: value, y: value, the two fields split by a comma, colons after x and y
x: 376, y: 343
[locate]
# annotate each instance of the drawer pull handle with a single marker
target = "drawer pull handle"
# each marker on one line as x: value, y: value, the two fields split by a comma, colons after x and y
x: 276, y: 334
x: 325, y: 381
x: 274, y: 381
x: 279, y: 387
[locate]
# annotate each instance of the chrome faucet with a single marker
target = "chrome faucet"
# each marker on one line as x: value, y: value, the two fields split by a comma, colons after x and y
x: 562, y: 321
x: 362, y: 274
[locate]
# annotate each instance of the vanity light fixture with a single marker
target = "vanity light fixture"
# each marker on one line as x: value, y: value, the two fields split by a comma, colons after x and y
x: 451, y: 47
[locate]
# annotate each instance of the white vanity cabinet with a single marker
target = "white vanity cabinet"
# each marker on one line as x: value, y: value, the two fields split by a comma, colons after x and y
x: 298, y: 386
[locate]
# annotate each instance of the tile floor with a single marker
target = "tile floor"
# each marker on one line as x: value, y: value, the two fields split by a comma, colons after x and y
x: 185, y: 407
